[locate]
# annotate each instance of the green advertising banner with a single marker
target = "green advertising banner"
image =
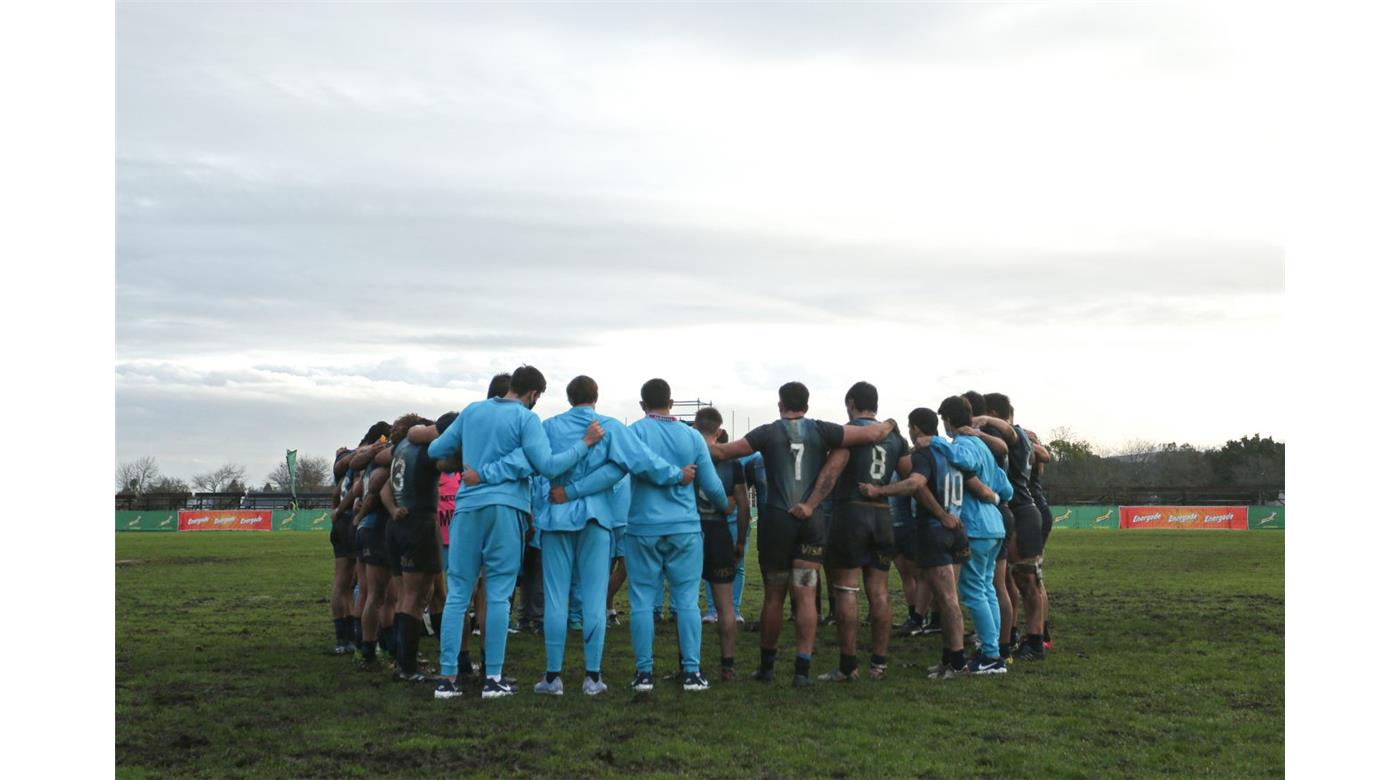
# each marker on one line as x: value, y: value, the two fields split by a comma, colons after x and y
x: 1085, y: 516
x: 153, y: 520
x: 301, y: 520
x: 1265, y: 517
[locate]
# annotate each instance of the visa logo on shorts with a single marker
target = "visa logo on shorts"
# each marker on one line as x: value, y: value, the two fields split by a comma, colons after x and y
x: 1148, y: 518
x: 1065, y: 516
x: 1219, y: 518
x: 1185, y: 517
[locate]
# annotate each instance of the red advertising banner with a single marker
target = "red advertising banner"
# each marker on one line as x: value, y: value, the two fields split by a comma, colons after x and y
x: 225, y: 520
x: 1230, y: 518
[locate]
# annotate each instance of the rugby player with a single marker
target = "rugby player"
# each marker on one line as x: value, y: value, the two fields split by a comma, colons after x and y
x: 861, y: 542
x: 1047, y: 522
x: 664, y: 540
x: 410, y: 498
x: 488, y: 527
x: 740, y: 534
x: 941, y: 541
x: 1027, y: 540
x: 985, y: 532
x: 575, y: 526
x: 343, y: 550
x: 723, y: 543
x: 371, y: 550
x: 791, y: 540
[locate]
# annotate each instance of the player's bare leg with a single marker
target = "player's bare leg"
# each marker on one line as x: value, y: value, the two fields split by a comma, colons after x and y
x: 877, y: 593
x: 770, y: 621
x: 805, y: 580
x: 945, y: 588
x: 846, y: 584
x: 1006, y: 603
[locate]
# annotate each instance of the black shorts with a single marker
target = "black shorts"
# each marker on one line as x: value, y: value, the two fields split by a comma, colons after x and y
x: 370, y: 548
x: 1008, y: 524
x: 1047, y: 521
x: 860, y: 536
x: 414, y: 545
x: 720, y: 566
x: 1030, y: 539
x: 343, y: 537
x: 783, y: 539
x: 906, y: 540
x: 938, y: 546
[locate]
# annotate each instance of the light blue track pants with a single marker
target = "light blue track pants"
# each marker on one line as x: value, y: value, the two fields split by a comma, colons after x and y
x: 487, y: 541
x: 738, y: 573
x: 675, y: 560
x: 576, y: 560
x: 978, y: 591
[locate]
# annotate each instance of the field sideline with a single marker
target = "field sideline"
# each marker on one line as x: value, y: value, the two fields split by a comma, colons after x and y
x: 1168, y: 658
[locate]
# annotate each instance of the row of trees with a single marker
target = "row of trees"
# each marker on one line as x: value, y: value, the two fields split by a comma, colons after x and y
x: 1250, y: 461
x: 143, y: 475
x: 1247, y: 461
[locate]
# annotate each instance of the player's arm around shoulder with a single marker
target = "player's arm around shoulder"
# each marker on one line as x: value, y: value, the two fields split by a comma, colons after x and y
x: 705, y: 472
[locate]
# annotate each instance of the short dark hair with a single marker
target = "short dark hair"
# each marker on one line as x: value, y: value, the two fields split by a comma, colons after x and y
x: 709, y: 420
x: 957, y: 409
x: 925, y: 419
x: 723, y: 437
x: 582, y: 390
x: 500, y: 385
x: 400, y: 428
x: 444, y: 421
x: 794, y: 396
x: 864, y: 397
x: 976, y: 402
x: 380, y: 428
x: 527, y: 379
x: 656, y: 394
x: 998, y: 405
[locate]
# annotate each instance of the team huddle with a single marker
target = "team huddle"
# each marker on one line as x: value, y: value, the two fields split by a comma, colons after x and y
x: 665, y: 504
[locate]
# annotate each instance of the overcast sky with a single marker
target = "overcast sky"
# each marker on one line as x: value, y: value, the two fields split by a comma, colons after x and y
x: 331, y: 214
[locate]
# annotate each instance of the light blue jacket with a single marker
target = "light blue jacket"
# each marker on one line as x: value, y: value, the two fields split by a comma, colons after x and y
x: 982, y: 519
x: 663, y: 510
x: 488, y: 431
x: 590, y: 483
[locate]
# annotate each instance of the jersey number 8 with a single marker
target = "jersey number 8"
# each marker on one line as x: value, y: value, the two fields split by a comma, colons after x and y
x: 877, y: 466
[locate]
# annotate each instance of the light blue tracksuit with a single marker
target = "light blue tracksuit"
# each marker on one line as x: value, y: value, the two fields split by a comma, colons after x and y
x: 663, y: 541
x: 576, y: 536
x: 488, y: 526
x: 985, y: 534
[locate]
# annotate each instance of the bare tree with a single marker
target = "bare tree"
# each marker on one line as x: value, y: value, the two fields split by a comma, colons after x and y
x: 313, y: 475
x: 228, y: 478
x: 138, y: 475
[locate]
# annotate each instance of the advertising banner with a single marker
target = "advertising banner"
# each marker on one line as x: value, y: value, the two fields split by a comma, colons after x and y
x: 225, y: 520
x: 1085, y: 516
x: 1199, y: 517
x: 302, y: 520
x: 1266, y: 517
x: 154, y: 520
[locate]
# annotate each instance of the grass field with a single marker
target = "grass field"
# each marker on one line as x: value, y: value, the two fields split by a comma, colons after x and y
x: 1168, y: 659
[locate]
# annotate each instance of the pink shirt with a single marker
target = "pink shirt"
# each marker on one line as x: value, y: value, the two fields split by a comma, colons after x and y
x: 447, y: 500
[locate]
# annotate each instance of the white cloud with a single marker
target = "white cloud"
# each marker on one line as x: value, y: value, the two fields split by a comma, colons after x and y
x: 367, y: 209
